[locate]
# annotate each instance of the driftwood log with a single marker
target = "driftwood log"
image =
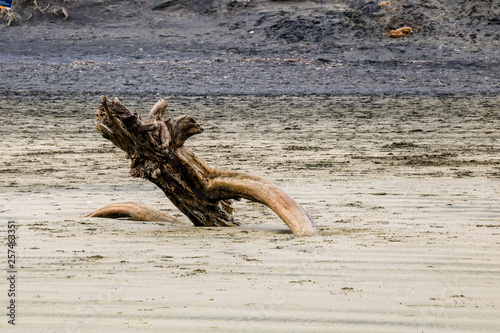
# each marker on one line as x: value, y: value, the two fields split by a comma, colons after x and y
x: 157, y: 153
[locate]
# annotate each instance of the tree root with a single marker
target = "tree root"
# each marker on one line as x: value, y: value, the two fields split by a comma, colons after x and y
x: 132, y: 209
x: 11, y: 17
x: 230, y: 184
x: 37, y: 7
x: 60, y: 11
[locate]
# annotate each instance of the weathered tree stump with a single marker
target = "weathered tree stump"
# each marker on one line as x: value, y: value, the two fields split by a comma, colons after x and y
x: 157, y: 153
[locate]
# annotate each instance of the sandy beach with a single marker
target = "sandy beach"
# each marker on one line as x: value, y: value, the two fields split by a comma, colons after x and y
x: 407, y: 211
x: 396, y: 160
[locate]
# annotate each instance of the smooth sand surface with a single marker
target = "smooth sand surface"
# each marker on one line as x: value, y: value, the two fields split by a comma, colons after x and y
x: 406, y: 203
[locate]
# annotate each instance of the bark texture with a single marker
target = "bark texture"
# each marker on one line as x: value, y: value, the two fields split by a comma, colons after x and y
x: 157, y: 153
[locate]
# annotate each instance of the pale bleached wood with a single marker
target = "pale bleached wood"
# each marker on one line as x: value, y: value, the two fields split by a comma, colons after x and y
x: 132, y: 209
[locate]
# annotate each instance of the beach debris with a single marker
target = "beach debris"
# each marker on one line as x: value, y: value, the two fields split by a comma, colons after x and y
x: 204, y: 194
x: 401, y: 32
x: 132, y: 209
x: 10, y: 17
x: 60, y: 11
x: 37, y: 6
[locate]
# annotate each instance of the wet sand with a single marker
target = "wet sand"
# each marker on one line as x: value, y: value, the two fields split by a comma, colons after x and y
x: 406, y: 203
x: 392, y: 145
x: 263, y: 47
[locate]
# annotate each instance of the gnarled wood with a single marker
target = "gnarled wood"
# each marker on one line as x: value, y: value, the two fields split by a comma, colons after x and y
x: 228, y: 184
x: 157, y: 152
x: 133, y: 209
